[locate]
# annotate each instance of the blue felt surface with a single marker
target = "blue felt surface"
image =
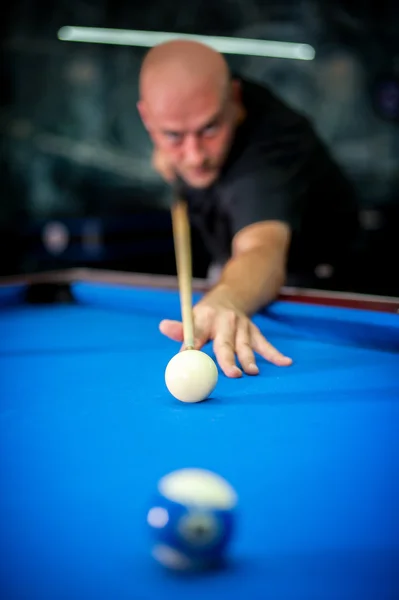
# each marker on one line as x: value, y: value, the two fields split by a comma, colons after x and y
x: 88, y: 428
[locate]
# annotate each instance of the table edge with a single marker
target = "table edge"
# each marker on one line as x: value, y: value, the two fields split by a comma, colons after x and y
x: 287, y: 293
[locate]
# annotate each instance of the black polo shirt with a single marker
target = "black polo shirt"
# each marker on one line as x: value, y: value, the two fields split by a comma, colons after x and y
x: 277, y: 169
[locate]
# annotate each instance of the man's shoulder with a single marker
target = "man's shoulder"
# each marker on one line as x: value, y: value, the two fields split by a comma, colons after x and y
x: 274, y: 137
x: 266, y: 108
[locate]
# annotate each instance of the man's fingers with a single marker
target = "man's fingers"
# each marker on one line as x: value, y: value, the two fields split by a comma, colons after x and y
x: 265, y: 349
x: 224, y: 343
x: 203, y: 322
x: 244, y: 349
x: 232, y: 336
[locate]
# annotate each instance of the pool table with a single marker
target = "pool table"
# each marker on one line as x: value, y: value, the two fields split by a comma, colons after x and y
x: 88, y: 428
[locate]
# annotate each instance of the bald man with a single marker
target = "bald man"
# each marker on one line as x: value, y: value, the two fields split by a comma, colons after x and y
x: 255, y: 175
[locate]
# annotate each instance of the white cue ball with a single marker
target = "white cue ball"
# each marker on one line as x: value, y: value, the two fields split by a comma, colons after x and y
x: 191, y: 376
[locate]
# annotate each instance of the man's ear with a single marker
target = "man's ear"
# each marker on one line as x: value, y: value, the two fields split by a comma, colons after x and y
x: 236, y: 91
x: 236, y: 94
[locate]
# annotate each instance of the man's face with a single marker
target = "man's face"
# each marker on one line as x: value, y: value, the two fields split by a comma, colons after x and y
x: 193, y: 135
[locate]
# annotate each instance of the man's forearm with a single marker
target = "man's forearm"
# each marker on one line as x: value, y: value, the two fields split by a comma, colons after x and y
x: 250, y: 280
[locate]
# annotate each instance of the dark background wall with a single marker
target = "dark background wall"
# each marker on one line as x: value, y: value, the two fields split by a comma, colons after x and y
x: 74, y: 150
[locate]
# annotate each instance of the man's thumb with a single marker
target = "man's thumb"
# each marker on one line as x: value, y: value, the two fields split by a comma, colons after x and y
x: 172, y: 329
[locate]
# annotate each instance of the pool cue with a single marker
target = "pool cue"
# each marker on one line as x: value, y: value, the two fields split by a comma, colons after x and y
x: 182, y: 242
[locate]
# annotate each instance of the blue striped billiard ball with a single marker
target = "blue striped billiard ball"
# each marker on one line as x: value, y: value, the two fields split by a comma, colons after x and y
x: 192, y: 519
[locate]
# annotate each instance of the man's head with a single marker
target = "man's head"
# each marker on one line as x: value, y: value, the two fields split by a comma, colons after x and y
x: 190, y: 107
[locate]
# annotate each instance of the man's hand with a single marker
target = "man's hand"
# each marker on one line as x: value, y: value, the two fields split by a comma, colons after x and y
x: 233, y: 334
x: 162, y: 166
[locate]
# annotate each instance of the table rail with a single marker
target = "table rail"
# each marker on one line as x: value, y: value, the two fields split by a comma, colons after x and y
x: 292, y: 294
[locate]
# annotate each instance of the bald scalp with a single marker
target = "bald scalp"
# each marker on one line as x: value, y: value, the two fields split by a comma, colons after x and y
x: 182, y: 68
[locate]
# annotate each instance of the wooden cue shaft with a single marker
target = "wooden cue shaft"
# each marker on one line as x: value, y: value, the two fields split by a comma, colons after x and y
x: 182, y: 242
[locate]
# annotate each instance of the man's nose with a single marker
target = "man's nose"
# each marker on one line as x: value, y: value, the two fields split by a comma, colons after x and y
x: 193, y: 150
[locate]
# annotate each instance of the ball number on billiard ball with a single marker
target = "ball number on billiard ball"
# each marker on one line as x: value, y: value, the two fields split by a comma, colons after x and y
x: 191, y: 376
x: 192, y: 519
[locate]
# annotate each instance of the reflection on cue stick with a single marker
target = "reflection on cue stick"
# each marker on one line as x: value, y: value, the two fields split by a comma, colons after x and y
x: 182, y: 242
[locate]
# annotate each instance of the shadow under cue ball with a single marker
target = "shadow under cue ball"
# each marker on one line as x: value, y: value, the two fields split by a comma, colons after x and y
x: 191, y: 376
x: 192, y: 520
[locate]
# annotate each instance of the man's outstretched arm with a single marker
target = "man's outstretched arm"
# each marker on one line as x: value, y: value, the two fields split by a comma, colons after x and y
x: 257, y: 269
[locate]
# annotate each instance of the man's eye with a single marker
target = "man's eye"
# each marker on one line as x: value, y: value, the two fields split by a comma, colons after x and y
x: 173, y: 137
x: 211, y: 129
